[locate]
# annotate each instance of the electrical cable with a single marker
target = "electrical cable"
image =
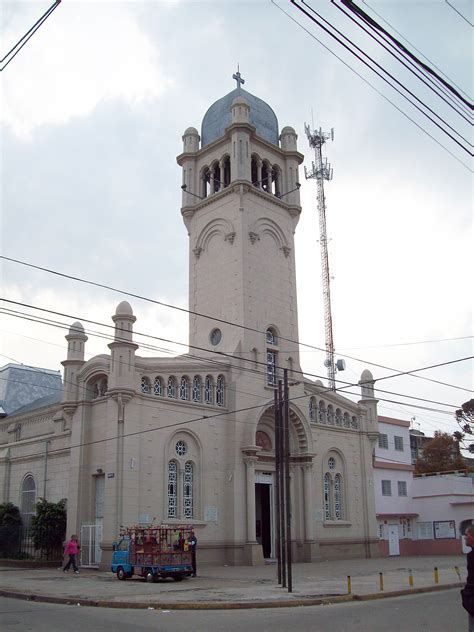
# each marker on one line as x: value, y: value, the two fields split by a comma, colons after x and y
x: 415, y: 48
x: 440, y: 127
x: 263, y: 372
x: 29, y: 34
x: 182, y: 309
x: 356, y: 9
x: 459, y: 13
x: 450, y: 103
x: 402, y: 112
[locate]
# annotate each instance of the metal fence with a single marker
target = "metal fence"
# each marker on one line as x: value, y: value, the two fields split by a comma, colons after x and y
x: 26, y: 543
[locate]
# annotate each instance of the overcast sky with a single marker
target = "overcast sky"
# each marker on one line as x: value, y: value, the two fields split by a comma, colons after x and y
x: 93, y: 110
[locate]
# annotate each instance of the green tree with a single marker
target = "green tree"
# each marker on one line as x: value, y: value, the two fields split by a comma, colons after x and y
x: 49, y: 525
x: 10, y: 529
x: 465, y: 418
x: 441, y: 454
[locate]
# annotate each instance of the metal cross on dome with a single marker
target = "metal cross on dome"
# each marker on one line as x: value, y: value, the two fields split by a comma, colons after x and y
x: 238, y: 78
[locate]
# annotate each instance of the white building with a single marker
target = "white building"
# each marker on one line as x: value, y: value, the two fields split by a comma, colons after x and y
x: 416, y: 515
x: 191, y: 439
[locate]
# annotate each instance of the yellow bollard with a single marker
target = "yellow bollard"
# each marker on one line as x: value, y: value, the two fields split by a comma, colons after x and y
x: 381, y: 580
x: 349, y: 585
x: 410, y: 578
x: 456, y: 568
x: 436, y: 575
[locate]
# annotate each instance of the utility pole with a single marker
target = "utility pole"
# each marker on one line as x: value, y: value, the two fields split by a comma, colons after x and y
x: 322, y: 171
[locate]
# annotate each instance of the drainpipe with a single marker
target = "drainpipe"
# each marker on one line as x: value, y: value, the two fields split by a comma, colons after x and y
x: 47, y: 443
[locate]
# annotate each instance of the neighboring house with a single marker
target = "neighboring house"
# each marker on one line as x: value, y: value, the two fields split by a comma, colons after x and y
x: 190, y: 439
x: 417, y: 514
x: 393, y: 477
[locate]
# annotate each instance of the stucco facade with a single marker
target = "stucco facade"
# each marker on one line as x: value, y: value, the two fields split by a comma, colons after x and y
x: 191, y: 438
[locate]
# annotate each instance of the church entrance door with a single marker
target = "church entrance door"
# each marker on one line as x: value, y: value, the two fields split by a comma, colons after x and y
x: 264, y: 512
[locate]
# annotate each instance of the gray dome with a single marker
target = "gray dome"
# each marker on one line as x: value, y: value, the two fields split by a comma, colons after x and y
x: 76, y: 328
x: 218, y: 117
x: 124, y: 309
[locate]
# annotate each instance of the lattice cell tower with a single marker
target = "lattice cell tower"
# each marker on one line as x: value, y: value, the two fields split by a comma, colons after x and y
x: 321, y: 171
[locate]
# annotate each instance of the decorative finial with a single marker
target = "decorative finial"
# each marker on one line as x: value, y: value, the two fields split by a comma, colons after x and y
x: 238, y: 77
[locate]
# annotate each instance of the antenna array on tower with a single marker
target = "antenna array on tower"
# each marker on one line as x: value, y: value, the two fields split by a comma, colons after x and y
x: 322, y: 171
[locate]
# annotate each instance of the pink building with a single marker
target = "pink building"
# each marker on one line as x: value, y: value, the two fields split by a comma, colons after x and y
x: 416, y: 515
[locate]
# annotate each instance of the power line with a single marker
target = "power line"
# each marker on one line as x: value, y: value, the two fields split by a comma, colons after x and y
x: 380, y: 32
x: 182, y: 309
x: 406, y: 344
x: 253, y: 370
x: 360, y: 58
x: 418, y: 125
x: 28, y: 35
x: 417, y: 49
x: 356, y: 9
x: 459, y: 13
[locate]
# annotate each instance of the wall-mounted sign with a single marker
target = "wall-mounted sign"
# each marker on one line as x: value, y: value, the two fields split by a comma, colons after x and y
x: 111, y: 475
x: 444, y: 529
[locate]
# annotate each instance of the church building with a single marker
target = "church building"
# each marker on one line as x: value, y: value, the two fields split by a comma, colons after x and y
x: 191, y: 439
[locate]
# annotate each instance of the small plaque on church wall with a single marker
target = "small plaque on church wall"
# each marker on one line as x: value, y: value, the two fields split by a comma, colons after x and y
x: 210, y: 514
x: 111, y: 475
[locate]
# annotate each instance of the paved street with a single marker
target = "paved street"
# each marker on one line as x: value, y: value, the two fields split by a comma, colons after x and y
x: 432, y: 612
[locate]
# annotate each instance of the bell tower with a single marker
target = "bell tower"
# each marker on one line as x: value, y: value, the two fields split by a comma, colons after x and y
x: 241, y: 205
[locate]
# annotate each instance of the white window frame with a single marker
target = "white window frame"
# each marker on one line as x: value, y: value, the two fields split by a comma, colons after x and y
x: 398, y: 442
x: 402, y: 488
x: 386, y: 487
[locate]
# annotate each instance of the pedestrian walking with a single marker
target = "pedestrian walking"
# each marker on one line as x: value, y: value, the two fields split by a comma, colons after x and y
x: 71, y: 549
x: 193, y: 544
x: 467, y: 593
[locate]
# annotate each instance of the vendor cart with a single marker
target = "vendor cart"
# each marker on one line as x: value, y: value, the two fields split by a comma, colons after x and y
x: 153, y: 552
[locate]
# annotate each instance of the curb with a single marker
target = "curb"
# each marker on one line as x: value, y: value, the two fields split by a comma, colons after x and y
x: 230, y: 605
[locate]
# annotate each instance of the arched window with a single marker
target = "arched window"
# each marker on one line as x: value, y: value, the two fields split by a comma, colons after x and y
x: 98, y: 386
x: 272, y: 354
x: 216, y: 177
x: 209, y: 390
x: 346, y: 420
x: 205, y: 180
x: 338, y: 506
x: 171, y: 387
x: 254, y: 171
x: 333, y: 488
x: 220, y: 385
x: 322, y: 412
x: 196, y: 388
x: 158, y: 386
x: 28, y: 499
x: 354, y: 422
x: 184, y: 388
x: 312, y: 409
x: 338, y: 417
x: 327, y: 496
x: 277, y: 179
x: 226, y: 170
x: 183, y: 461
x: 172, y: 489
x: 330, y: 415
x: 188, y: 495
x: 145, y: 385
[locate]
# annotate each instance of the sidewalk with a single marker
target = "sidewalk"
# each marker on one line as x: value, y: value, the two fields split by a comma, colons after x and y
x: 237, y: 587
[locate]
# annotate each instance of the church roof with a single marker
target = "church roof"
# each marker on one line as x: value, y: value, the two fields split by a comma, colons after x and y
x: 22, y: 385
x: 218, y: 116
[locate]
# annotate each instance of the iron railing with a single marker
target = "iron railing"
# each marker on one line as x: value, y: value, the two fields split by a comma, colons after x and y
x: 25, y: 543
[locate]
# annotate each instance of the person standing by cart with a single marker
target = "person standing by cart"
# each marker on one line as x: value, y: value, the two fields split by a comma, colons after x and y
x: 71, y: 549
x: 192, y: 545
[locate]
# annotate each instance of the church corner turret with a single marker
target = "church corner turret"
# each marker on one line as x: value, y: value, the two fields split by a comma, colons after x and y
x: 76, y: 339
x: 122, y: 360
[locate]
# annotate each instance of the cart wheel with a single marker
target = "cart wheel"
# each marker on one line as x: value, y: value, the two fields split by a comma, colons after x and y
x: 121, y: 574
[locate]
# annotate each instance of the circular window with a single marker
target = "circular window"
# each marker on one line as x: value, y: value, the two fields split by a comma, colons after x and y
x: 331, y: 463
x: 215, y: 336
x: 181, y: 448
